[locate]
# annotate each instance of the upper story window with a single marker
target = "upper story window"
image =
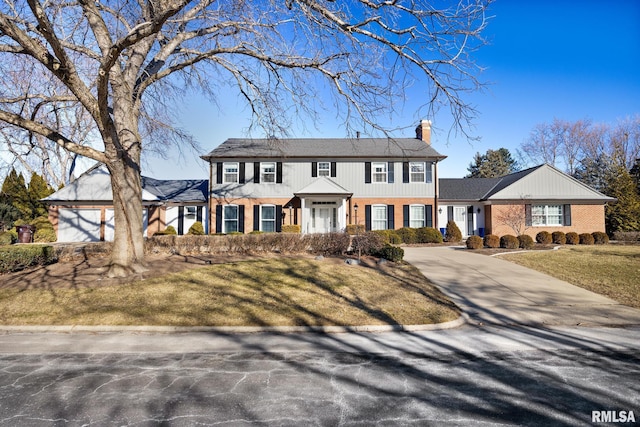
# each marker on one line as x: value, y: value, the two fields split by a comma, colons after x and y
x: 324, y: 169
x: 230, y: 172
x: 268, y: 172
x: 546, y: 215
x: 416, y: 172
x: 379, y: 172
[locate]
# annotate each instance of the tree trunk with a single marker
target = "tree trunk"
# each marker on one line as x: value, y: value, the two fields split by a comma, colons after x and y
x: 127, y: 255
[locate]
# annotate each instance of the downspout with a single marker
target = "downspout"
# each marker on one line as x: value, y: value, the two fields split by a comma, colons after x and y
x: 435, y: 199
x: 210, y: 215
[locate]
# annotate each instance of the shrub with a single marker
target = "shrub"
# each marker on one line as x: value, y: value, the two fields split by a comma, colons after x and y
x: 586, y: 239
x: 388, y: 236
x: 491, y: 241
x: 428, y: 235
x: 6, y: 238
x: 453, y: 233
x: 559, y: 238
x: 196, y: 229
x: 291, y: 228
x: 391, y: 253
x: 474, y: 242
x: 525, y: 241
x: 509, y: 242
x: 14, y: 258
x: 544, y: 237
x: 169, y: 231
x: 369, y: 243
x: 627, y: 236
x: 351, y: 229
x: 328, y: 243
x: 572, y: 238
x: 408, y: 235
x: 600, y: 238
x: 45, y: 235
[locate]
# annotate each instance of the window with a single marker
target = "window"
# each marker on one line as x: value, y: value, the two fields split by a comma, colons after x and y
x: 230, y: 219
x: 268, y: 172
x: 416, y: 172
x: 416, y: 216
x: 230, y: 172
x: 267, y: 218
x: 379, y: 172
x: 324, y: 169
x: 379, y: 217
x: 546, y: 215
x: 190, y: 212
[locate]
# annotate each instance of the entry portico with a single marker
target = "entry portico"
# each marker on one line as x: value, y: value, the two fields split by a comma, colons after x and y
x: 323, y: 206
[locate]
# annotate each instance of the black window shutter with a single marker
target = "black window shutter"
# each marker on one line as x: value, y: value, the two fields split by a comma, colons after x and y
x: 390, y: 172
x: 278, y: 218
x: 242, y: 173
x: 218, y: 218
x: 180, y: 220
x: 428, y: 215
x: 428, y: 171
x: 405, y: 172
x: 527, y: 216
x: 241, y: 218
x: 219, y: 167
x: 279, y: 173
x: 405, y: 215
x: 367, y: 172
x: 567, y: 215
x: 333, y: 169
x: 314, y: 169
x: 199, y: 214
x: 449, y: 213
x: 367, y: 217
x: 256, y: 172
x: 391, y: 223
x: 256, y: 217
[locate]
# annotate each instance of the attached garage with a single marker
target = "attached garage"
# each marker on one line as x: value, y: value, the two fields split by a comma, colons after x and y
x: 78, y: 225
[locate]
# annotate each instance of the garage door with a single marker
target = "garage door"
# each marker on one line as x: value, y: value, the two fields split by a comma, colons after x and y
x: 78, y: 225
x: 110, y: 227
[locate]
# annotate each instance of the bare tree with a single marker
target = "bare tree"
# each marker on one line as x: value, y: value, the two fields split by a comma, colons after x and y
x: 123, y: 62
x: 514, y: 216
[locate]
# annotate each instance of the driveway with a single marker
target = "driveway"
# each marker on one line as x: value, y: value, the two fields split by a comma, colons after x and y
x: 494, y: 291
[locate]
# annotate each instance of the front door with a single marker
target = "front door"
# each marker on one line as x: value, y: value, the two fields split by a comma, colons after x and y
x: 322, y: 220
x: 459, y: 216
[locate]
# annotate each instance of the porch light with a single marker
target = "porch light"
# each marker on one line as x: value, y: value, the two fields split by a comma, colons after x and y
x: 440, y: 210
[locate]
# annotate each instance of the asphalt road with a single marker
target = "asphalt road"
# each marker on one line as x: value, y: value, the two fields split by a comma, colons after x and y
x: 466, y: 376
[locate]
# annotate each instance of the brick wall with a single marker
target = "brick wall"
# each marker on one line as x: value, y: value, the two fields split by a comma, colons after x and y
x: 584, y: 219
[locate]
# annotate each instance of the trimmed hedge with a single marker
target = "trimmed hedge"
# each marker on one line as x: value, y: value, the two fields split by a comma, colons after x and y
x: 544, y: 237
x: 509, y: 241
x: 19, y: 257
x: 291, y: 228
x: 559, y: 238
x: 196, y: 229
x: 572, y: 238
x: 474, y: 242
x: 627, y: 236
x: 369, y: 243
x: 428, y: 235
x: 408, y: 235
x: 352, y: 229
x: 492, y: 241
x: 586, y: 239
x: 169, y: 231
x: 391, y: 253
x: 600, y: 238
x: 7, y: 238
x: 453, y: 233
x: 525, y: 241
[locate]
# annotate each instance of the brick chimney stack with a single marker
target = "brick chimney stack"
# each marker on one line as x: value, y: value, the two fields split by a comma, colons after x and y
x: 423, y: 131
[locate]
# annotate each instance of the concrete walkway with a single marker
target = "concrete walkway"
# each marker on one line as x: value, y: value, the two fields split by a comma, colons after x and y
x: 494, y: 291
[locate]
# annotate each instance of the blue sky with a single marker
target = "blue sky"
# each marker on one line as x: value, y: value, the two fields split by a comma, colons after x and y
x: 545, y: 59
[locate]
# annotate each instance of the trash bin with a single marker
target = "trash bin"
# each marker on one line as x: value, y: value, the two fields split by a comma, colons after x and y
x: 25, y: 233
x: 443, y: 231
x: 481, y: 231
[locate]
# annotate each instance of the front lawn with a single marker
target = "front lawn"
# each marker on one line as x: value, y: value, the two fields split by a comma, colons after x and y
x: 284, y: 291
x: 610, y: 270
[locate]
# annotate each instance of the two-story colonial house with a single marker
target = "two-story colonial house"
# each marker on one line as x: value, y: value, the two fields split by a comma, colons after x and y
x: 323, y: 185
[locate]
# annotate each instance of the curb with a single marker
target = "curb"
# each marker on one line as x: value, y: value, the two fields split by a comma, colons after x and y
x: 463, y: 319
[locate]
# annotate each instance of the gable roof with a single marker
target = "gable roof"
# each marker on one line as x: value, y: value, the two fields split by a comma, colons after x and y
x: 324, y: 148
x: 323, y: 186
x: 95, y: 186
x: 543, y: 182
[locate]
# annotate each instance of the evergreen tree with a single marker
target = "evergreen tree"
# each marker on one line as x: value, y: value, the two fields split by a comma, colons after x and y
x: 38, y: 189
x: 492, y: 164
x: 635, y: 174
x: 15, y: 191
x: 623, y: 215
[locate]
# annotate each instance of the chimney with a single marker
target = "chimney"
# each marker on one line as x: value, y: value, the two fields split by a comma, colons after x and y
x: 423, y: 131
